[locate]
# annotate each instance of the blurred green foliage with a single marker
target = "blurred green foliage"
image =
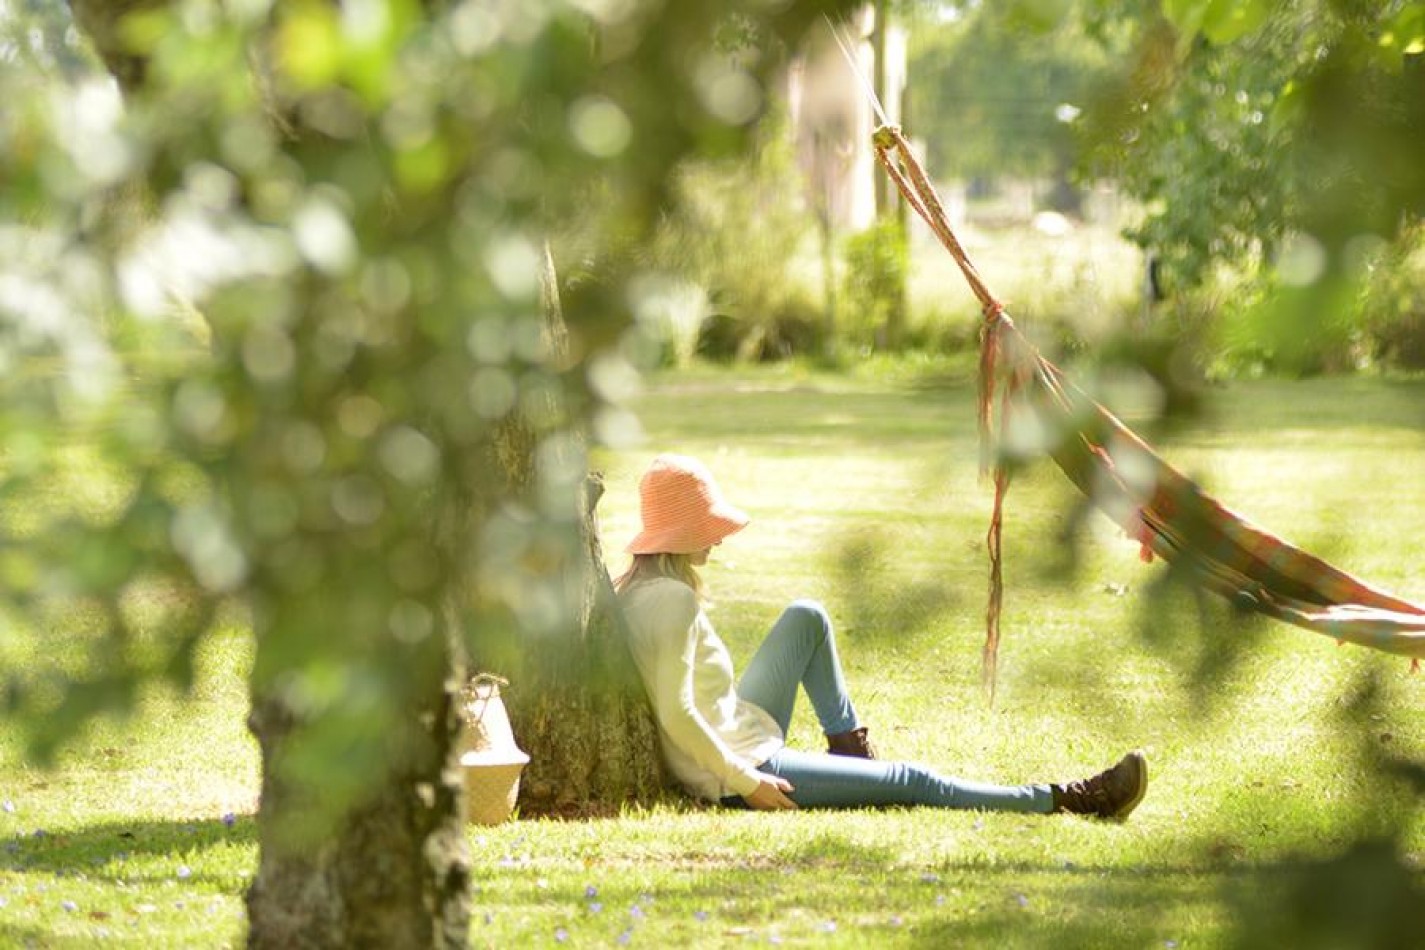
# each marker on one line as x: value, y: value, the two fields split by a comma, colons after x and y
x: 350, y: 203
x: 1270, y: 147
x: 1275, y: 142
x: 877, y: 264
x: 38, y: 41
x: 1393, y: 308
x: 738, y: 231
x: 996, y: 92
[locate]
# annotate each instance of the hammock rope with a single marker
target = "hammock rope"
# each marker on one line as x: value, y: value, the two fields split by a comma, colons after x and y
x: 1165, y: 511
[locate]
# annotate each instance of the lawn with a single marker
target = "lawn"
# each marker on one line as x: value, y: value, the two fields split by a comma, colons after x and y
x: 1269, y: 808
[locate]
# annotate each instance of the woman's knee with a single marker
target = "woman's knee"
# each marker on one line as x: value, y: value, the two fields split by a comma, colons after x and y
x: 809, y: 615
x: 920, y: 784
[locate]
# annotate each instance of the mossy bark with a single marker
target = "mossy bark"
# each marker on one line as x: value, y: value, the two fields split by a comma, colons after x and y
x: 393, y: 872
x: 577, y: 706
x: 580, y: 710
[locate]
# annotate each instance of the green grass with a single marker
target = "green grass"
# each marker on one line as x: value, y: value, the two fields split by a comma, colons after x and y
x: 864, y: 494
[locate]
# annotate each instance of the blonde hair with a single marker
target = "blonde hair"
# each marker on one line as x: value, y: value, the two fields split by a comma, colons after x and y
x: 679, y: 567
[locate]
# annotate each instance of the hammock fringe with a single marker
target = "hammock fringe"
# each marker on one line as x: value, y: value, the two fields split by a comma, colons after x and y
x: 1171, y: 517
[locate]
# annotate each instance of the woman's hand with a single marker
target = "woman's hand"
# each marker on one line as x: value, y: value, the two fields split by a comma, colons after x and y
x: 771, y: 795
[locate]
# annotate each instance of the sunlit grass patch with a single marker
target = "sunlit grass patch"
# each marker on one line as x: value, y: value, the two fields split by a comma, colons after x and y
x: 1263, y: 740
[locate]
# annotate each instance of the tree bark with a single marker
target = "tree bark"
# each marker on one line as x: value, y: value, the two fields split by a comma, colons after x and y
x: 882, y: 190
x: 888, y: 205
x: 394, y: 872
x: 578, y: 706
x: 390, y: 866
x: 580, y: 709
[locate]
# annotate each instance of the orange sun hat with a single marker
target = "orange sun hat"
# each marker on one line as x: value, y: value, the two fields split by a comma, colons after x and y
x: 682, y: 508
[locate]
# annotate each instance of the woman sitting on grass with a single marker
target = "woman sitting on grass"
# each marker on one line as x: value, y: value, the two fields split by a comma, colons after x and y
x: 724, y: 740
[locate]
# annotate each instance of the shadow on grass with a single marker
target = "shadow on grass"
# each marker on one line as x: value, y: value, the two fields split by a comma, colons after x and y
x: 1170, y: 612
x: 16, y: 936
x: 1367, y: 895
x: 113, y: 851
x: 889, y: 605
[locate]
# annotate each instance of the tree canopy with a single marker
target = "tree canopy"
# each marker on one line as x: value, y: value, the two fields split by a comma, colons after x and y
x: 994, y: 95
x: 1238, y: 124
x: 363, y: 440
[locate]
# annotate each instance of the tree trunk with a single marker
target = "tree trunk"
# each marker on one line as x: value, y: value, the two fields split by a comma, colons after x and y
x: 888, y: 204
x: 578, y: 706
x: 580, y: 710
x: 388, y: 865
x: 393, y: 872
x: 882, y: 189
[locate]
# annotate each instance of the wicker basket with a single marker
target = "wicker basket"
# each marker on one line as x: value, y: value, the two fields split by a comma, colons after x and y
x: 491, y: 760
x: 491, y: 789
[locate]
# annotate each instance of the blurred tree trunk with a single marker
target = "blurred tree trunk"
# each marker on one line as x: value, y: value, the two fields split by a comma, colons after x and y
x: 888, y: 204
x: 883, y: 190
x: 392, y: 869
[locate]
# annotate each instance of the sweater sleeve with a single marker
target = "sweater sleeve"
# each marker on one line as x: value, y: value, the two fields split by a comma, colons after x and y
x: 672, y: 691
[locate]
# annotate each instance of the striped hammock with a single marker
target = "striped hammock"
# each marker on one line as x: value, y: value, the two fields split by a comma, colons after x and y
x: 1153, y: 502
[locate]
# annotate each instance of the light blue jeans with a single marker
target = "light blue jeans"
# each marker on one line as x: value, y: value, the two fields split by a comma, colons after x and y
x: 800, y: 650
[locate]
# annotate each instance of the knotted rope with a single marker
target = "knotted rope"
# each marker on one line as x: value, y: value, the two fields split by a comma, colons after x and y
x: 895, y: 155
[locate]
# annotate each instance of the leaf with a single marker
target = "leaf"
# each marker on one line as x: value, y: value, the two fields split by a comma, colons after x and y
x: 1226, y: 21
x: 1288, y: 112
x: 309, y: 46
x: 1186, y: 15
x: 1221, y: 21
x: 1037, y: 16
x: 1407, y: 31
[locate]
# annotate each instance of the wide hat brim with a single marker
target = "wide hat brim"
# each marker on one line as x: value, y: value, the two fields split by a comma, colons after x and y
x: 712, y: 528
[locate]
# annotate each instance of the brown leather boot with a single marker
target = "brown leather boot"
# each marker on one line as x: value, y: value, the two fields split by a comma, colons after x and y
x: 854, y: 744
x: 1110, y: 794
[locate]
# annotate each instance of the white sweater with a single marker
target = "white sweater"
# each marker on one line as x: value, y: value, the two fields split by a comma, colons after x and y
x: 712, y: 740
